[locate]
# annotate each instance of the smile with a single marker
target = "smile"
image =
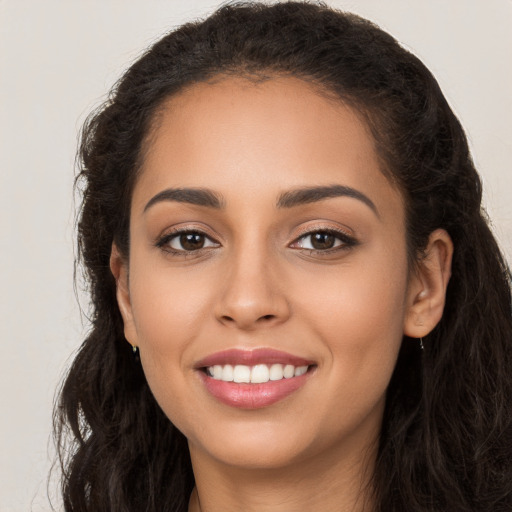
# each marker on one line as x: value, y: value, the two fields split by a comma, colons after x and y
x: 252, y: 379
x: 258, y: 374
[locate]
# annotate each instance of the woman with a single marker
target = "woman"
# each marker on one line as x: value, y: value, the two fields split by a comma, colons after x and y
x: 298, y: 304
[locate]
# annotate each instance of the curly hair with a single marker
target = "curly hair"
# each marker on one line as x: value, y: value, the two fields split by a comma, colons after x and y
x: 446, y: 439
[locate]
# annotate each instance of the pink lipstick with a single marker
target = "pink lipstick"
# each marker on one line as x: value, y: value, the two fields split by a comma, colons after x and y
x: 252, y: 379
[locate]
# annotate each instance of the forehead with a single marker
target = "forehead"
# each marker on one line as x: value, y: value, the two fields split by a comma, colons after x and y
x: 235, y: 134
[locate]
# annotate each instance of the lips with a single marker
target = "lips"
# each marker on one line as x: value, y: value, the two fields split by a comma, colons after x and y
x: 252, y: 379
x: 252, y: 358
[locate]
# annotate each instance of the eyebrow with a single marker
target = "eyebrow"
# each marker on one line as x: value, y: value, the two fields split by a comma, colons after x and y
x: 289, y: 199
x: 195, y: 196
x: 307, y: 195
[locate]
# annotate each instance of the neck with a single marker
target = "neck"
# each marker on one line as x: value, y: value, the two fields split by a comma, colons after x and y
x: 328, y: 483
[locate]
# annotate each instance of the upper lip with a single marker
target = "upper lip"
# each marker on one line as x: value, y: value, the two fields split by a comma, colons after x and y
x: 251, y: 357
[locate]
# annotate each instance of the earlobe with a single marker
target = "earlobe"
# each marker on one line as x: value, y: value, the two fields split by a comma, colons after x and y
x: 119, y: 269
x: 427, y: 286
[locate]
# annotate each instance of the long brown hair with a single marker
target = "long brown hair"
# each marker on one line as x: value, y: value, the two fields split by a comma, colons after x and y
x: 446, y: 441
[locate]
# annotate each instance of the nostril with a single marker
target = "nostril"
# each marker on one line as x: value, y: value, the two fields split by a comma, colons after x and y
x: 247, y: 318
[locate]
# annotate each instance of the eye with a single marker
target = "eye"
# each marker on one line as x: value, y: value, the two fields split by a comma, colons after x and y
x: 186, y: 241
x: 324, y: 240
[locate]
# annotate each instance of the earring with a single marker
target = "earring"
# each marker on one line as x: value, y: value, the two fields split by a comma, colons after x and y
x: 135, y: 352
x: 422, y: 347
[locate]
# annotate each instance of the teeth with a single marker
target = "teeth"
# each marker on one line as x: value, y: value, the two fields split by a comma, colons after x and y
x: 260, y: 373
x: 227, y: 373
x: 242, y: 373
x: 217, y: 371
x: 276, y: 372
x: 257, y: 374
x: 300, y: 370
x: 289, y: 371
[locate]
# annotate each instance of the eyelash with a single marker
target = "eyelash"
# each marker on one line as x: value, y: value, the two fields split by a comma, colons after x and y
x: 164, y: 242
x: 346, y: 240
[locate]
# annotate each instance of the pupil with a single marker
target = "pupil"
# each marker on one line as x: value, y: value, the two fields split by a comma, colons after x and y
x: 322, y: 241
x: 192, y: 241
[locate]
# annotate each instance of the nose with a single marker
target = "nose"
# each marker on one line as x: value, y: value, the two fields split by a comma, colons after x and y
x: 252, y: 293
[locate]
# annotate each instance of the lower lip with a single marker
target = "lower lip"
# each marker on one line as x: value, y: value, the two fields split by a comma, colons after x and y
x: 252, y: 396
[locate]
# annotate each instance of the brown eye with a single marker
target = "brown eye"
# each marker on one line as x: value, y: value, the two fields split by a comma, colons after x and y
x: 322, y: 240
x: 187, y: 241
x: 192, y: 241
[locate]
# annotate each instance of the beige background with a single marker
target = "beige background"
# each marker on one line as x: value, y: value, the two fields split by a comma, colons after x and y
x: 57, y: 61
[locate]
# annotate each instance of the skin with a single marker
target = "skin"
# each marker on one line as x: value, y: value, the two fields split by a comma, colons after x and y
x: 257, y: 284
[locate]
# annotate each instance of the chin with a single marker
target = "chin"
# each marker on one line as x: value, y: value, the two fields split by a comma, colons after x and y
x: 258, y: 454
x: 251, y: 443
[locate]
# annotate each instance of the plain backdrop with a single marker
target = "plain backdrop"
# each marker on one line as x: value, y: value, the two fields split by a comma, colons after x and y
x: 57, y: 61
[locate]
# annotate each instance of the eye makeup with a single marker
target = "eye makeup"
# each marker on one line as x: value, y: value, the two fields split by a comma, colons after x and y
x: 315, y: 240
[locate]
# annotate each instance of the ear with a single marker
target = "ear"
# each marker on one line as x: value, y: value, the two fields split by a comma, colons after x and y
x: 119, y: 269
x: 426, y: 291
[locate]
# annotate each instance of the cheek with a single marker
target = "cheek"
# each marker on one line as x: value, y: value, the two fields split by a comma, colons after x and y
x: 365, y: 295
x: 358, y: 314
x: 169, y: 314
x: 169, y: 307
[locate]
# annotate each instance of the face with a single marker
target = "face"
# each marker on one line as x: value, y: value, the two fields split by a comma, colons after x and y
x: 265, y: 242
